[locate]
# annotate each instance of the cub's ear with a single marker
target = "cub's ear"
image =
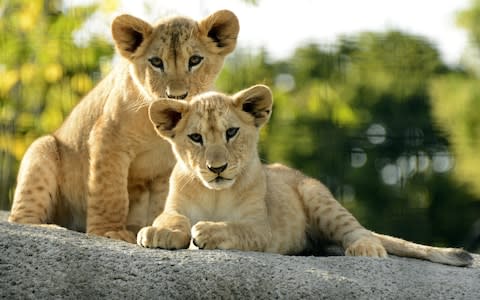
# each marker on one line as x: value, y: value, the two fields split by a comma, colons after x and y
x: 129, y: 33
x: 222, y: 29
x: 257, y: 101
x: 165, y: 115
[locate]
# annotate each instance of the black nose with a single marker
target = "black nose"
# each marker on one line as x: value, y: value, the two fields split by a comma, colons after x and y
x: 179, y: 97
x: 217, y: 170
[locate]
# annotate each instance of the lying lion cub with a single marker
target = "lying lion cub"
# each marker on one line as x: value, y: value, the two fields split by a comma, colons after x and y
x: 105, y: 171
x: 234, y: 201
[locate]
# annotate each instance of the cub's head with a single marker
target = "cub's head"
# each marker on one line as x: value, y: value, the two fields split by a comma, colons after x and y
x: 214, y: 136
x: 177, y: 57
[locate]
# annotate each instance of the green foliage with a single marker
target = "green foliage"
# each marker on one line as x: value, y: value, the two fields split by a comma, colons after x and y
x: 244, y: 69
x: 44, y: 74
x: 253, y: 2
x: 394, y: 62
x: 469, y: 19
x: 455, y: 102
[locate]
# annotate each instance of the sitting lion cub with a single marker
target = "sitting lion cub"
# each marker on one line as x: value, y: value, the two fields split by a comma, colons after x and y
x: 105, y: 171
x: 220, y: 186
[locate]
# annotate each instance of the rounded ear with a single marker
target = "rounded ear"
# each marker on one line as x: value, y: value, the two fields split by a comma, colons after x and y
x: 129, y: 33
x: 165, y: 115
x: 222, y: 29
x: 257, y: 101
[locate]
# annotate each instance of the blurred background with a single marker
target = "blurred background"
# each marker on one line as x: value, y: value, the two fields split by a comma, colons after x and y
x: 378, y: 99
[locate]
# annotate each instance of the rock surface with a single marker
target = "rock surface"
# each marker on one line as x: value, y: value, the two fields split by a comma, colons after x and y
x: 44, y: 263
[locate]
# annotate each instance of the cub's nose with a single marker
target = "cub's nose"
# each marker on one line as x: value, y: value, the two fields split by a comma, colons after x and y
x: 217, y: 170
x: 177, y: 97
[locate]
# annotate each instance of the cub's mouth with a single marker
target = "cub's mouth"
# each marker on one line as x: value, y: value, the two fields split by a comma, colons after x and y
x: 219, y: 183
x: 220, y: 179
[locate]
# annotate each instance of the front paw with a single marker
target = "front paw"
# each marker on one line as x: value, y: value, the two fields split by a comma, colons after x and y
x: 51, y: 226
x: 123, y: 235
x: 165, y: 238
x: 366, y: 246
x: 211, y: 235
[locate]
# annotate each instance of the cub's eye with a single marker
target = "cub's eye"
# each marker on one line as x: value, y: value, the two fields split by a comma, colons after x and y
x: 231, y: 132
x: 194, y: 61
x: 196, y: 138
x: 156, y: 62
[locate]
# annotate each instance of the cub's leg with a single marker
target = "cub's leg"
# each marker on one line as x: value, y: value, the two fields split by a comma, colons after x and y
x: 247, y: 236
x: 146, y: 201
x: 331, y: 220
x: 138, y: 198
x: 169, y: 231
x: 37, y: 184
x: 158, y: 197
x: 107, y: 202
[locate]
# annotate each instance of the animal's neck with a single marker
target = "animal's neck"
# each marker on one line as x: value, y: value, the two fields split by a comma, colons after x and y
x: 136, y: 84
x: 252, y: 175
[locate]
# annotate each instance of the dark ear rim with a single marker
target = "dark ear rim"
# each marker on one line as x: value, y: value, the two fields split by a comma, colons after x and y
x: 221, y: 28
x: 165, y: 114
x: 129, y: 34
x: 256, y: 101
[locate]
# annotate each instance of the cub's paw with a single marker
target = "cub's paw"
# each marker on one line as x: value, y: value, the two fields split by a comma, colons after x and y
x: 165, y: 238
x: 211, y: 235
x: 51, y: 226
x: 366, y: 246
x: 123, y: 235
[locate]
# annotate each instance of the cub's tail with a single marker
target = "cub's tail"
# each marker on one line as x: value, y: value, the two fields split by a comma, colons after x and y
x: 447, y: 256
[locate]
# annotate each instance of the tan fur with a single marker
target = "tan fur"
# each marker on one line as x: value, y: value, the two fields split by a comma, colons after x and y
x: 234, y: 201
x: 105, y: 169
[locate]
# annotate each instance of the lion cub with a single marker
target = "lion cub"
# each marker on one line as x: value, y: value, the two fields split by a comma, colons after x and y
x: 105, y: 170
x: 220, y: 186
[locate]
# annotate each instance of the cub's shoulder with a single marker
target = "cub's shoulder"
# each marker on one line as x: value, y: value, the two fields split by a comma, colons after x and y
x: 281, y: 173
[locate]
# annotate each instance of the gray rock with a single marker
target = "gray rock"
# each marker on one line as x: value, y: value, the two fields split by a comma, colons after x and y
x: 44, y: 263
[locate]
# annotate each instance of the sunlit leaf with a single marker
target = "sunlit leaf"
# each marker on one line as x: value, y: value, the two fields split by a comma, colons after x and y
x: 8, y: 79
x: 109, y: 5
x: 30, y: 14
x: 28, y: 72
x: 53, y: 72
x: 81, y: 83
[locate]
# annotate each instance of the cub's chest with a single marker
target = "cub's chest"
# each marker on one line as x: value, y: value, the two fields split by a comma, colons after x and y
x: 152, y: 160
x: 215, y: 206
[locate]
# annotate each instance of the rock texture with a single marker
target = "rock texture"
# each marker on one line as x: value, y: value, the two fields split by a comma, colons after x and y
x: 46, y: 263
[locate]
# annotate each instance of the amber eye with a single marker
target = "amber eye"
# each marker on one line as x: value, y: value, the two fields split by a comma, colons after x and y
x: 231, y: 132
x: 194, y: 61
x: 156, y: 62
x: 196, y: 138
